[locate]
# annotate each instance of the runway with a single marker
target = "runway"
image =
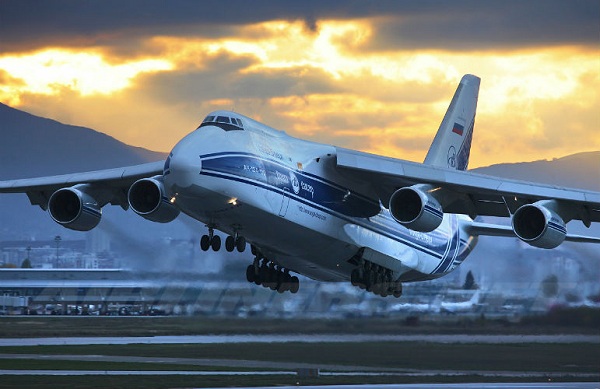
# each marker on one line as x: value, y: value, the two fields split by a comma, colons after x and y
x: 284, y: 368
x: 236, y: 367
x: 299, y: 338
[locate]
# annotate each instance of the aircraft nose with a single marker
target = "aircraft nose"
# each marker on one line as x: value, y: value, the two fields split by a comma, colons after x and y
x: 181, y: 168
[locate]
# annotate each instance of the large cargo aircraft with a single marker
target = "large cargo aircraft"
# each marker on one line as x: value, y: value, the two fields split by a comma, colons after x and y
x: 326, y: 212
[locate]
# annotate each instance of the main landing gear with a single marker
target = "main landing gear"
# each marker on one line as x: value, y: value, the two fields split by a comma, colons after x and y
x: 214, y: 241
x: 271, y: 276
x: 376, y: 279
x: 262, y: 271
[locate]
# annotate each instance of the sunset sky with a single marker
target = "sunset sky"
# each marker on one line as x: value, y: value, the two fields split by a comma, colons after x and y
x: 371, y: 75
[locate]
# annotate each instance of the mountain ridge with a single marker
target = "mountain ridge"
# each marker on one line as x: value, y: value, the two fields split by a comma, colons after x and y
x: 59, y: 148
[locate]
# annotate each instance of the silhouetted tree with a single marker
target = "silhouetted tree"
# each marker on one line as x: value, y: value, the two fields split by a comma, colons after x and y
x: 550, y: 286
x: 26, y: 264
x: 470, y: 282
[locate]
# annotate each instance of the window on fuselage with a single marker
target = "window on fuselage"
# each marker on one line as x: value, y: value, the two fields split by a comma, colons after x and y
x: 223, y: 122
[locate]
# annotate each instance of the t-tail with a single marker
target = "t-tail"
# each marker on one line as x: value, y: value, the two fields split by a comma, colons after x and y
x: 451, y: 146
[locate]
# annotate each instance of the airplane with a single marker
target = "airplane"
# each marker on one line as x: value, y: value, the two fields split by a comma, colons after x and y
x: 325, y: 212
x: 460, y: 306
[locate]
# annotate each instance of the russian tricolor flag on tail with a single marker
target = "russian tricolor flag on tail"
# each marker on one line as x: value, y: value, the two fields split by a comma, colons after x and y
x: 458, y: 129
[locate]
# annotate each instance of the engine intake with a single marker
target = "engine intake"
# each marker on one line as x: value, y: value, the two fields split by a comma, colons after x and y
x: 147, y: 198
x: 416, y: 209
x: 74, y: 209
x: 539, y: 226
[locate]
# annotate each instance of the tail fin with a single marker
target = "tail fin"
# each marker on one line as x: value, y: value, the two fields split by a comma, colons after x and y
x: 451, y: 146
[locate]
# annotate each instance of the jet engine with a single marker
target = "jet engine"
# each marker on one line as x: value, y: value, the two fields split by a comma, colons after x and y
x: 147, y: 198
x: 539, y: 226
x: 415, y: 208
x: 75, y: 209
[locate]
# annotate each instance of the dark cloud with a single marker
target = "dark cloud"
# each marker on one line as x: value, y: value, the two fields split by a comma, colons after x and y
x: 493, y: 25
x: 424, y: 24
x: 220, y: 77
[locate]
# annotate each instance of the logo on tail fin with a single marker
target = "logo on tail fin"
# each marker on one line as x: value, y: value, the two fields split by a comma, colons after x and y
x: 452, y: 157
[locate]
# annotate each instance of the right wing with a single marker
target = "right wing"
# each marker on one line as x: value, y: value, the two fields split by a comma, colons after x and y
x: 479, y: 229
x: 113, y: 183
x: 467, y: 193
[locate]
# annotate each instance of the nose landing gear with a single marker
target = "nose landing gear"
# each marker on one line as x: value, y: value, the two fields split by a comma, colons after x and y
x: 214, y: 241
x: 210, y: 241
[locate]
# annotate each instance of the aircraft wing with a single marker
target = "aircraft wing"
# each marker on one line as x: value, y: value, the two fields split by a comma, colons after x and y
x: 478, y: 228
x: 115, y: 181
x: 466, y: 192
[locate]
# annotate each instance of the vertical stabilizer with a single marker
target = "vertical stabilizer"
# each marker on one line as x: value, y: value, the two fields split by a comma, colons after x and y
x: 452, y: 143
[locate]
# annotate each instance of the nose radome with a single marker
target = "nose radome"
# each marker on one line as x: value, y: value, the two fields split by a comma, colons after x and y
x: 182, y: 167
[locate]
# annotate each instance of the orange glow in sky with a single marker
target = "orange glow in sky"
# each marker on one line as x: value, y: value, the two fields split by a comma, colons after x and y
x: 324, y: 85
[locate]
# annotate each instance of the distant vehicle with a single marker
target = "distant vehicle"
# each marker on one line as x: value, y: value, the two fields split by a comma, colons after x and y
x: 326, y: 212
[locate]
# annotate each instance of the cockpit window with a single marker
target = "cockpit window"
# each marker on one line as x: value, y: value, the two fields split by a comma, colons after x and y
x: 225, y: 123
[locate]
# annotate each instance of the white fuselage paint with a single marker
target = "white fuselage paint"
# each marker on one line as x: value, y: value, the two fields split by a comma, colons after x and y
x: 285, y: 196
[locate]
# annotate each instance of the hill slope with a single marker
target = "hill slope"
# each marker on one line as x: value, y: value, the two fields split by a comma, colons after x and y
x: 34, y: 146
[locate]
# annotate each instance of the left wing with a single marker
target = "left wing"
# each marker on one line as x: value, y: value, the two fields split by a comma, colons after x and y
x: 538, y: 211
x: 112, y: 183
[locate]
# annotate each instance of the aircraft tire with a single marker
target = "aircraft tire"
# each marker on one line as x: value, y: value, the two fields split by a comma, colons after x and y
x: 216, y: 243
x: 294, y: 284
x: 229, y: 243
x: 250, y: 273
x: 204, y: 243
x: 398, y: 289
x: 263, y: 274
x: 369, y: 280
x: 240, y: 244
x: 356, y: 277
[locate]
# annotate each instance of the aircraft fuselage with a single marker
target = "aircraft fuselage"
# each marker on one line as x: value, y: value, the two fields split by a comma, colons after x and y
x: 285, y: 196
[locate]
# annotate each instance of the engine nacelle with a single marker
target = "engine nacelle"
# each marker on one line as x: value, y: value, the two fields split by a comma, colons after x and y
x: 416, y: 209
x: 539, y: 226
x: 73, y: 208
x: 147, y: 198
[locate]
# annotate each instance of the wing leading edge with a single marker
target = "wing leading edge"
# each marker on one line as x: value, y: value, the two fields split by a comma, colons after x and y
x: 479, y: 229
x: 467, y: 193
x: 115, y: 182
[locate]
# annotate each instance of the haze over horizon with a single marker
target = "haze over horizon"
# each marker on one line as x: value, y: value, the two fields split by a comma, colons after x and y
x: 370, y: 76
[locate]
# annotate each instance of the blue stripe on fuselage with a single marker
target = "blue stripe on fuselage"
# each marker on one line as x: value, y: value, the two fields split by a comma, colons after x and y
x: 333, y: 199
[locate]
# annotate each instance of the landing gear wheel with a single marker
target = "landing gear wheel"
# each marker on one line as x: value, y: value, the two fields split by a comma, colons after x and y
x: 240, y: 244
x: 356, y: 277
x: 250, y: 275
x: 229, y: 243
x: 205, y: 243
x: 398, y: 289
x: 294, y: 284
x: 216, y: 243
